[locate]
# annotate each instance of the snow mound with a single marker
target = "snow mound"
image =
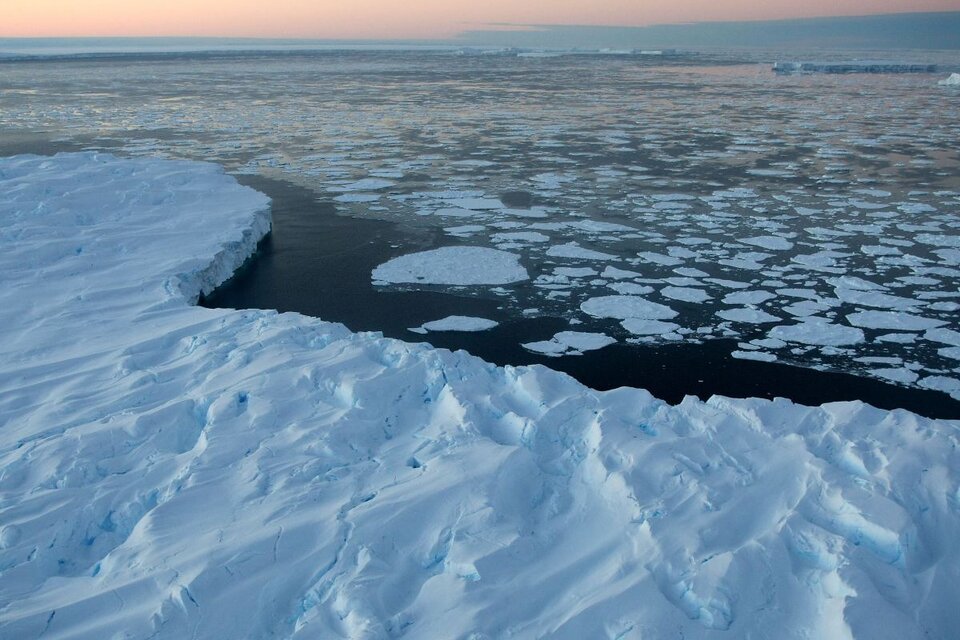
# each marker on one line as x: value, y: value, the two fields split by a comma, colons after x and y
x: 170, y: 471
x: 453, y: 266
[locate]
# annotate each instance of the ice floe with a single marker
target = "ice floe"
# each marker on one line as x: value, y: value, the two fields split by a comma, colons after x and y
x: 818, y: 331
x: 567, y: 343
x: 459, y: 323
x: 461, y: 265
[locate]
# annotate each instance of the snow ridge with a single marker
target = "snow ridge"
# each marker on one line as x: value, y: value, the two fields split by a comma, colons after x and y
x: 168, y: 471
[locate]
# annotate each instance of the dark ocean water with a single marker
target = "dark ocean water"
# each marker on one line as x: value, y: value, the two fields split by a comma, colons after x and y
x: 318, y: 263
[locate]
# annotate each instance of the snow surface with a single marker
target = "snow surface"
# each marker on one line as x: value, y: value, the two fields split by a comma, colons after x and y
x: 453, y: 266
x: 171, y: 471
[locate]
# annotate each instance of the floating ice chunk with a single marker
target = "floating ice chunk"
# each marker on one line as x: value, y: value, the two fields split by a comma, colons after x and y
x: 459, y: 323
x: 576, y: 252
x: 941, y: 383
x: 582, y: 341
x: 760, y: 356
x: 570, y: 343
x: 946, y: 336
x: 774, y: 243
x: 519, y: 236
x: 618, y: 274
x: 729, y: 284
x: 875, y: 299
x: 476, y: 204
x: 892, y: 320
x: 546, y: 347
x: 748, y: 315
x: 630, y: 288
x: 685, y: 294
x: 367, y: 184
x: 575, y: 272
x: 953, y: 80
x: 641, y: 327
x: 855, y: 283
x: 453, y: 266
x: 659, y: 258
x: 818, y: 331
x: 898, y: 374
x: 690, y: 272
x: 748, y: 297
x: 898, y: 338
x: 623, y: 307
x: 357, y: 197
x: 464, y: 230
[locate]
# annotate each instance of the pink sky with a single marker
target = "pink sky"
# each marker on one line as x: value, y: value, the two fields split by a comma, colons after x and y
x: 395, y: 18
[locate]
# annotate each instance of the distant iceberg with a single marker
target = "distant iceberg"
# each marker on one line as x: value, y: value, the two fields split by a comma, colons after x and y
x: 952, y: 81
x: 854, y: 66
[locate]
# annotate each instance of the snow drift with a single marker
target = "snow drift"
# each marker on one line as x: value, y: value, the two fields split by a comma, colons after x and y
x: 172, y: 471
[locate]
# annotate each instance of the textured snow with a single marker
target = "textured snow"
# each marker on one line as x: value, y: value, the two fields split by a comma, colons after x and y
x: 459, y: 323
x: 453, y: 266
x: 170, y: 471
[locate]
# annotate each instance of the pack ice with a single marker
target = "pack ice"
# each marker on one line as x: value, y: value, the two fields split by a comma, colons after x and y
x: 169, y: 471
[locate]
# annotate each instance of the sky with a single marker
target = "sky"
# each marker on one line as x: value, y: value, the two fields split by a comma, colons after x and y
x: 397, y: 19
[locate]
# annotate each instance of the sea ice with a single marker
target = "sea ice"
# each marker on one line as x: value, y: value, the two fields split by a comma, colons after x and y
x: 453, y: 266
x: 748, y: 315
x: 685, y: 294
x: 576, y: 252
x: 818, y: 331
x: 892, y: 320
x: 641, y: 327
x: 759, y: 356
x: 570, y: 343
x: 623, y: 307
x: 459, y: 323
x: 775, y: 243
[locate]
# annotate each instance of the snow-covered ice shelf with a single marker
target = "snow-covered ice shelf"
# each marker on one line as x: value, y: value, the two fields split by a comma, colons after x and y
x: 171, y: 471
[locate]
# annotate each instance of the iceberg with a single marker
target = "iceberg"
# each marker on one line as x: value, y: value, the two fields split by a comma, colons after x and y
x: 953, y: 80
x: 172, y: 471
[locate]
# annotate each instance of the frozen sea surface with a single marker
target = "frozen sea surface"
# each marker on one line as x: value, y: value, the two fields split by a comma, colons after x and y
x: 615, y: 164
x: 173, y: 471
